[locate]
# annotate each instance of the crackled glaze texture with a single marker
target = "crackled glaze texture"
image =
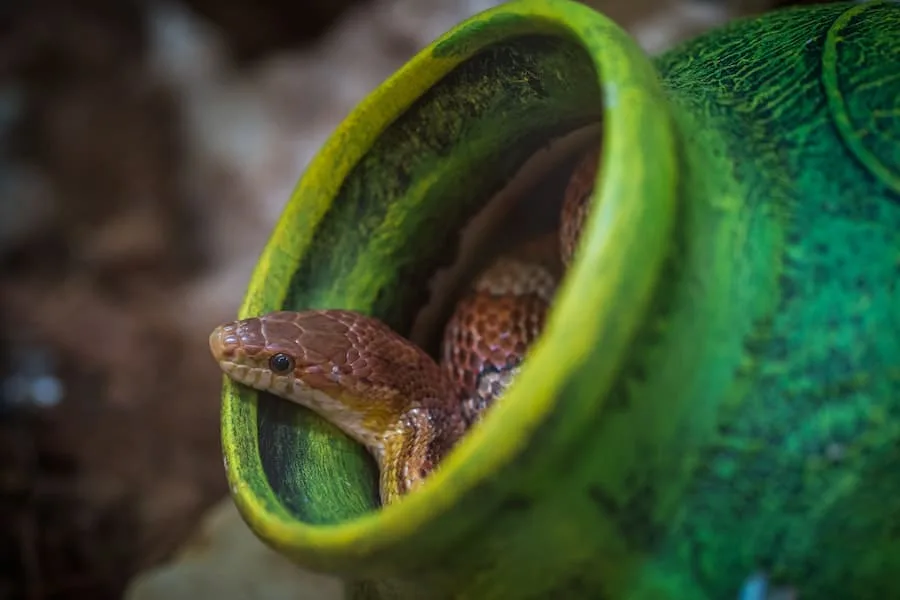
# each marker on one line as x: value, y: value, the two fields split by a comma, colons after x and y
x: 717, y: 388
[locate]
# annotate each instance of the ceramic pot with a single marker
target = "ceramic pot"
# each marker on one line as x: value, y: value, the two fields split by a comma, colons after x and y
x: 717, y: 390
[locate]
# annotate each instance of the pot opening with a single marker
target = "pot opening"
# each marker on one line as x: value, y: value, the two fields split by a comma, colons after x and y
x: 475, y: 163
x: 528, y: 207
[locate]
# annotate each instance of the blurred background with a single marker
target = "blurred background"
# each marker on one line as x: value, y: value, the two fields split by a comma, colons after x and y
x: 146, y: 149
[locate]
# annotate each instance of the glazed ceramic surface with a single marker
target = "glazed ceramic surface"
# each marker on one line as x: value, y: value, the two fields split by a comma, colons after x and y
x: 718, y: 387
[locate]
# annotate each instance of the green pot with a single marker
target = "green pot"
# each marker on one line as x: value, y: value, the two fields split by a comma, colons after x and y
x: 718, y: 387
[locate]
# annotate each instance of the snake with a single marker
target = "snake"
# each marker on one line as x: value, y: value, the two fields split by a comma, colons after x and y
x: 384, y: 391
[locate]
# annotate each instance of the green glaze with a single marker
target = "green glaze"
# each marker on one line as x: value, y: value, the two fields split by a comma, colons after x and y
x: 718, y: 387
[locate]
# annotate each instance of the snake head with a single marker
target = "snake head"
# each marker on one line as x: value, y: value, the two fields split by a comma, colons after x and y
x: 350, y: 368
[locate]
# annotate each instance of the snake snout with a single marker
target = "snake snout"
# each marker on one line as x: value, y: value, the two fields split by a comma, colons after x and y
x: 224, y: 342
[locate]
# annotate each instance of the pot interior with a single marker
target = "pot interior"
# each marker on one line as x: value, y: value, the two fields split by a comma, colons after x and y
x: 486, y: 149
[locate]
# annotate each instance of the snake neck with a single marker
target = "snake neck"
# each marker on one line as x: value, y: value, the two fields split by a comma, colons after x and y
x: 416, y: 446
x: 414, y: 422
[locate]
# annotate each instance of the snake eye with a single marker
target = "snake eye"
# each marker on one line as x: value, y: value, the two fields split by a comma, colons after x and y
x: 281, y: 363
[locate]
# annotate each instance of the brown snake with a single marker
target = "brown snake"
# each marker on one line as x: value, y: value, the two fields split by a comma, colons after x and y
x: 384, y: 391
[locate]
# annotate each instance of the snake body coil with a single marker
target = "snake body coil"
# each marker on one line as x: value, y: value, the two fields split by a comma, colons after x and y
x: 384, y: 391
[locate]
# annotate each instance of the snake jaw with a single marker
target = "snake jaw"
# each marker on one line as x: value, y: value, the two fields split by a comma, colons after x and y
x: 243, y: 350
x: 226, y: 343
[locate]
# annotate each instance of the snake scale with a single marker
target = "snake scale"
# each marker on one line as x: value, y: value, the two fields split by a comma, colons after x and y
x: 384, y: 391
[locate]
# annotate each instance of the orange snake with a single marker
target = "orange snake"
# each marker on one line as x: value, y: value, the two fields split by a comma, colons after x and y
x: 384, y: 391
